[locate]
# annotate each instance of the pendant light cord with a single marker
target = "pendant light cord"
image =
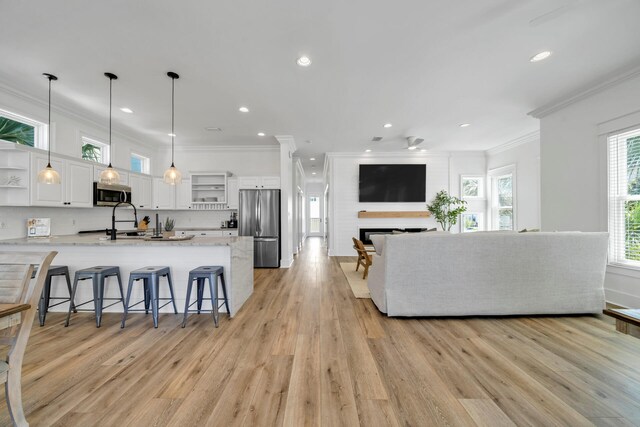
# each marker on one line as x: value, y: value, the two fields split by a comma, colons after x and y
x: 49, y: 126
x: 173, y: 134
x: 110, y: 98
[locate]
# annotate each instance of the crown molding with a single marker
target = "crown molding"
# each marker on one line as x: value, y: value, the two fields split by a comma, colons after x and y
x: 90, y: 120
x: 605, y: 82
x: 394, y: 155
x: 287, y: 140
x: 524, y: 139
x: 228, y: 148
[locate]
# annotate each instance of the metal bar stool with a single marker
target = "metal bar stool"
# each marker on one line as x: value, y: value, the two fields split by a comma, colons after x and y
x: 200, y: 274
x: 97, y: 275
x: 45, y: 296
x: 150, y: 277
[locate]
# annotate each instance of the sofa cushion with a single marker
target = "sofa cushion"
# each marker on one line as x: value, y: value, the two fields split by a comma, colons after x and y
x: 378, y: 242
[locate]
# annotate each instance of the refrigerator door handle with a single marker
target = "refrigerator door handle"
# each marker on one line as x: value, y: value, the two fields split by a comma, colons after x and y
x: 259, y: 215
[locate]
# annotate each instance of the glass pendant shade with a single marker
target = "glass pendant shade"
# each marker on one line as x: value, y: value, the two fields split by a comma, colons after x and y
x: 109, y: 176
x: 172, y: 176
x: 48, y: 175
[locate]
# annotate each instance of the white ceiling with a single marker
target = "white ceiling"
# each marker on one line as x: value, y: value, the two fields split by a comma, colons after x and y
x: 424, y: 65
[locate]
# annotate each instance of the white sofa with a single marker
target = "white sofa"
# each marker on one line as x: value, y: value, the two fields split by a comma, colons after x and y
x: 488, y: 273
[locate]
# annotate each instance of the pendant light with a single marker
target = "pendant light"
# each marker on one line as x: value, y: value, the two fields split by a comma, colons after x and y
x: 172, y: 176
x: 110, y: 175
x: 49, y: 175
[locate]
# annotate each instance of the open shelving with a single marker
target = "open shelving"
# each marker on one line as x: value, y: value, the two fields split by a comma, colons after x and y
x: 14, y: 175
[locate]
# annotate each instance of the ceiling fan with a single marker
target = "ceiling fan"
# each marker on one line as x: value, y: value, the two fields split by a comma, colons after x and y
x: 408, y: 143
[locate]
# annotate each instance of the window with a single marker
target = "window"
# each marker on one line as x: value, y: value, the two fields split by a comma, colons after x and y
x: 472, y: 187
x: 140, y: 164
x: 503, y: 198
x: 22, y: 130
x: 94, y: 150
x: 624, y: 198
x: 314, y: 214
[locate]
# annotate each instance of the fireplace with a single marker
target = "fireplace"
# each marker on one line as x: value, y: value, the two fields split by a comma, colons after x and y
x: 366, y: 233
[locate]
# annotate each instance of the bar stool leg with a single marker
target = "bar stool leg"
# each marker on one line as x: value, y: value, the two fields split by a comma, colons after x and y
x: 213, y: 288
x: 200, y: 293
x: 154, y: 299
x: 126, y: 304
x: 173, y: 298
x: 44, y: 300
x: 186, y: 303
x: 120, y: 287
x: 224, y: 293
x: 66, y: 276
x: 147, y: 299
x: 73, y: 296
x: 98, y: 295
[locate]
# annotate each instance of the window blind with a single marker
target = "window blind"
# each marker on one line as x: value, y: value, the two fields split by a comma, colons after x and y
x: 624, y: 198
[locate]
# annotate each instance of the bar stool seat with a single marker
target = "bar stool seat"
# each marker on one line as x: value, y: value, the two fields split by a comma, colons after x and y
x: 97, y: 274
x: 150, y: 277
x: 200, y: 274
x: 45, y: 296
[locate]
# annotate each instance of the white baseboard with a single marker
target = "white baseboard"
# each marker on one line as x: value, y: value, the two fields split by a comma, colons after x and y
x: 286, y: 263
x: 622, y: 298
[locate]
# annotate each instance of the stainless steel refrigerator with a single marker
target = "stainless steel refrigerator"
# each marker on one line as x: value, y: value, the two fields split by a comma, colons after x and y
x: 260, y: 217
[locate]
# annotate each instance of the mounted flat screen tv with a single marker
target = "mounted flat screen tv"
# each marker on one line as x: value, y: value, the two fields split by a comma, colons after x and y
x: 392, y: 183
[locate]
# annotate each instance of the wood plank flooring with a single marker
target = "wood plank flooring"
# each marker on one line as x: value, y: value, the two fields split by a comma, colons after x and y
x: 303, y: 351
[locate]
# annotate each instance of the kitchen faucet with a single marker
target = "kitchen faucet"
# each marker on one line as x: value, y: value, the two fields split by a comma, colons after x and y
x: 113, y: 218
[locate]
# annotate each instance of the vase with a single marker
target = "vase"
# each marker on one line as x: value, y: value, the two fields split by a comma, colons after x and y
x: 167, y: 234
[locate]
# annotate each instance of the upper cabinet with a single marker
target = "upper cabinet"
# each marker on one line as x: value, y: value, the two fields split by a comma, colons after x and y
x: 141, y: 191
x: 75, y: 189
x: 259, y: 182
x: 164, y: 195
x: 14, y: 176
x: 233, y: 198
x: 183, y: 195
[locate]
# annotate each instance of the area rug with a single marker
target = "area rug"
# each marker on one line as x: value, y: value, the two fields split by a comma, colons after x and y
x: 358, y: 284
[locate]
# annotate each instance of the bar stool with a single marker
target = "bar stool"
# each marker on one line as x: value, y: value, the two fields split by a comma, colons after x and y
x: 150, y: 277
x: 45, y: 296
x: 200, y: 274
x: 97, y: 275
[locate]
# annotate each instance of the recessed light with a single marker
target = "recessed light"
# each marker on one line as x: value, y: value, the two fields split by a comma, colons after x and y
x: 304, y: 61
x: 423, y: 150
x: 243, y: 109
x: 313, y: 173
x: 411, y: 147
x: 540, y: 56
x: 465, y: 125
x: 387, y: 125
x: 213, y: 129
x: 367, y: 150
x: 260, y: 133
x: 171, y: 134
x: 126, y: 110
x: 312, y: 158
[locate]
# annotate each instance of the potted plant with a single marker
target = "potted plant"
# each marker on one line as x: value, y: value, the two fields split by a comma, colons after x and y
x: 446, y: 209
x: 169, y: 223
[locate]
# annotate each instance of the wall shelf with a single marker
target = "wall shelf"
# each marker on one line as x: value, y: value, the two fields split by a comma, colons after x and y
x: 394, y: 214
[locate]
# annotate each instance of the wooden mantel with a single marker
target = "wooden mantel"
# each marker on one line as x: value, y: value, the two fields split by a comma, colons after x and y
x: 394, y: 214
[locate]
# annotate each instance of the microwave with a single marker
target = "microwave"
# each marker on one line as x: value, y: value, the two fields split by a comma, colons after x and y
x: 110, y: 194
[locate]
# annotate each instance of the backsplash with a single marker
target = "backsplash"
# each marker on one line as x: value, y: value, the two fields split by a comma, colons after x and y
x: 13, y: 220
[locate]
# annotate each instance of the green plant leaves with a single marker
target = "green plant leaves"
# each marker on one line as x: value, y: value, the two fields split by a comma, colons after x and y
x: 17, y: 132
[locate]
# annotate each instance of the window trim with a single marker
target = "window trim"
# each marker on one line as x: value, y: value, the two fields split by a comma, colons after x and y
x: 146, y: 162
x: 105, y: 150
x: 41, y: 130
x: 493, y: 175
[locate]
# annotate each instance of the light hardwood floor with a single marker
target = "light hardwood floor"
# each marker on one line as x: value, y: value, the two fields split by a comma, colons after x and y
x: 304, y: 351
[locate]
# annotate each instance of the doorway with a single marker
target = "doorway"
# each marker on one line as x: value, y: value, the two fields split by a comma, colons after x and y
x: 315, y: 216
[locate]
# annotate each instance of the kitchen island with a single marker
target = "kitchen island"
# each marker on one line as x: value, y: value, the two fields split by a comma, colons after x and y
x: 235, y: 254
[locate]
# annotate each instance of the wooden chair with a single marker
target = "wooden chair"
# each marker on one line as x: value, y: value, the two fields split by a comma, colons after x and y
x: 364, y: 259
x: 16, y: 291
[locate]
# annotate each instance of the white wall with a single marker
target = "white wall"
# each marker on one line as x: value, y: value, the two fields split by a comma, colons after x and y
x: 574, y: 173
x: 241, y: 161
x: 68, y: 128
x: 525, y: 156
x: 443, y: 171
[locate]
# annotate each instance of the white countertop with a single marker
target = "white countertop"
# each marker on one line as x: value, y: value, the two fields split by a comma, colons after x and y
x: 99, y: 239
x: 205, y: 229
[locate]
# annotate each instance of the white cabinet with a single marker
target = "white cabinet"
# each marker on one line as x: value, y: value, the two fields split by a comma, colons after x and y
x: 98, y: 168
x: 141, y: 191
x: 229, y: 232
x: 164, y: 196
x: 258, y: 182
x: 14, y: 175
x: 183, y: 195
x: 75, y: 190
x: 233, y: 197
